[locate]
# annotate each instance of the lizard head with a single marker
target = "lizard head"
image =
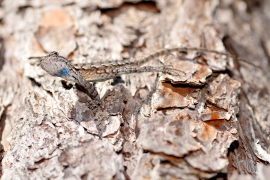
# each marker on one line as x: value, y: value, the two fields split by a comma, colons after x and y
x: 55, y: 65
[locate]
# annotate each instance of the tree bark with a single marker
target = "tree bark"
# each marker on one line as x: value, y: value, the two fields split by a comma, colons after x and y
x: 209, y: 121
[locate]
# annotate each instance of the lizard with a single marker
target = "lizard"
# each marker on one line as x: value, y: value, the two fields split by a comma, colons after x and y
x: 84, y: 74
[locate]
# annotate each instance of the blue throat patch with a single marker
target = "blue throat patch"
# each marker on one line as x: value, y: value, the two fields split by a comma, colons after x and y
x: 63, y: 72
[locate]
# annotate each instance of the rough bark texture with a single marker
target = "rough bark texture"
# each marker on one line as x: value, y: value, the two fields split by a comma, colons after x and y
x: 212, y: 121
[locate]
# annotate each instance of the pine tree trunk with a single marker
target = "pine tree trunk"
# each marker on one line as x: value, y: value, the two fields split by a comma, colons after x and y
x: 209, y: 120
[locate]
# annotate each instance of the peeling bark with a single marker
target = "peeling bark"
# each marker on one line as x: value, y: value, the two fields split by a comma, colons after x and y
x: 211, y: 121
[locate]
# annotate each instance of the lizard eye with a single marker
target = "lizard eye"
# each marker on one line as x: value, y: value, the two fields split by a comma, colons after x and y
x: 54, y: 53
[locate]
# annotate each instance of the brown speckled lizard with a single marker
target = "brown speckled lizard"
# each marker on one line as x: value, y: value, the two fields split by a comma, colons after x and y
x: 84, y: 74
